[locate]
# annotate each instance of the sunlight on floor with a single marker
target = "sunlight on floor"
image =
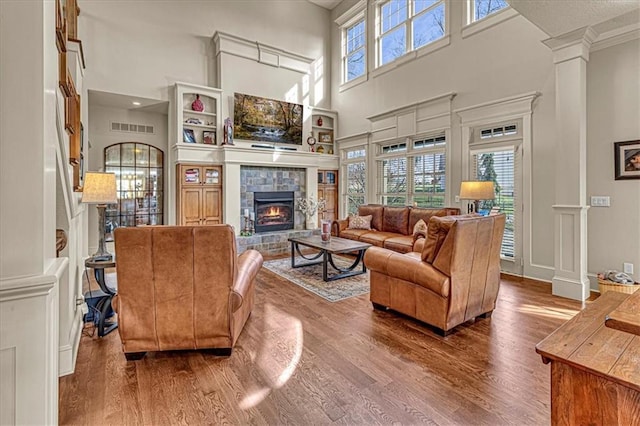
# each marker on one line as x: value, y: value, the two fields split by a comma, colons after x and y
x: 548, y: 312
x: 278, y: 356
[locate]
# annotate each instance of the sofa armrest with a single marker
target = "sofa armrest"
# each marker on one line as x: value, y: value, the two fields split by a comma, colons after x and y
x: 418, y: 235
x: 338, y: 226
x: 407, y: 268
x: 249, y: 263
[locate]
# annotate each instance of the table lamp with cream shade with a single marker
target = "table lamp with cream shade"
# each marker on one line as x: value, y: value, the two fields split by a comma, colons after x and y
x: 100, y: 189
x: 476, y: 190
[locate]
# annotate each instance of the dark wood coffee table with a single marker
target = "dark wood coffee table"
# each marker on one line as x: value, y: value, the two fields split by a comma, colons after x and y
x: 326, y: 251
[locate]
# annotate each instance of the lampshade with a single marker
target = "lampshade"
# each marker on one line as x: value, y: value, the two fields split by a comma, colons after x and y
x: 99, y: 188
x: 477, y: 190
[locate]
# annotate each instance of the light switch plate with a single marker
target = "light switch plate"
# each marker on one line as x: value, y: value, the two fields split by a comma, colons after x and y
x: 627, y: 268
x: 457, y: 198
x: 600, y: 201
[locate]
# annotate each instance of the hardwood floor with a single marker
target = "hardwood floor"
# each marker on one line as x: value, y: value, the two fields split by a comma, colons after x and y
x: 302, y: 360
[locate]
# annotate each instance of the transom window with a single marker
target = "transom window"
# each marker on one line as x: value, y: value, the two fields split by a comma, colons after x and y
x: 354, y: 50
x: 484, y: 8
x: 406, y: 25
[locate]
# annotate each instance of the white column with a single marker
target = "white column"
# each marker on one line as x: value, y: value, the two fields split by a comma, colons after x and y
x: 571, y: 53
x: 29, y: 270
x: 231, y: 196
x: 312, y: 191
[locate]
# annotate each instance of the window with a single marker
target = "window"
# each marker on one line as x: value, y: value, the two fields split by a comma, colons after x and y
x: 499, y: 166
x: 354, y: 49
x: 484, y: 8
x: 355, y: 165
x: 394, y: 181
x: 139, y: 179
x: 406, y: 25
x: 413, y: 173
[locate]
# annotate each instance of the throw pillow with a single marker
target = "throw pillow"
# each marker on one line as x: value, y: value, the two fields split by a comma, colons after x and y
x: 360, y: 222
x: 420, y: 227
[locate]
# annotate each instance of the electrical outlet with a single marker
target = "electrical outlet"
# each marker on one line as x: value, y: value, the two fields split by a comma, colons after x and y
x: 627, y: 268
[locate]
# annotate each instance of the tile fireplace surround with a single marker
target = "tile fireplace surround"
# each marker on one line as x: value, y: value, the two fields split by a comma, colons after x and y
x: 265, y: 179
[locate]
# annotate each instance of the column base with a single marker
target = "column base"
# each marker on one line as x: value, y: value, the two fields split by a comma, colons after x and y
x: 571, y: 289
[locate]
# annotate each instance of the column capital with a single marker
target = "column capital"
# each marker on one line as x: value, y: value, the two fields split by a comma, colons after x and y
x: 572, y: 45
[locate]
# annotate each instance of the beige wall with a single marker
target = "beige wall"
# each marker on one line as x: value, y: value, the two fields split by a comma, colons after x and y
x: 613, y: 114
x: 142, y: 48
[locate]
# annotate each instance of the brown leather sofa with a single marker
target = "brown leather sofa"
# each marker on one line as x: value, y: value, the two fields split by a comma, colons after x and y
x: 392, y: 227
x: 453, y: 280
x: 182, y: 287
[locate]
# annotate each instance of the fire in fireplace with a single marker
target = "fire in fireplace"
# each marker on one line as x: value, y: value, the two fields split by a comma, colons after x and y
x: 273, y: 211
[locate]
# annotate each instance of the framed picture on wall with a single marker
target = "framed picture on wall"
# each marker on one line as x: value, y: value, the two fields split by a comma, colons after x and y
x: 325, y: 137
x: 627, y: 160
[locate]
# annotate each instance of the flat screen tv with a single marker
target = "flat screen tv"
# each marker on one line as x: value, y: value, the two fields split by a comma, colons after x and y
x: 268, y: 120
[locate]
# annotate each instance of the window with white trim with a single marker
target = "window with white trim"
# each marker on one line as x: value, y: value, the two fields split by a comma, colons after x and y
x: 354, y: 49
x: 480, y: 9
x: 496, y: 156
x: 406, y: 25
x: 355, y: 169
x: 413, y: 172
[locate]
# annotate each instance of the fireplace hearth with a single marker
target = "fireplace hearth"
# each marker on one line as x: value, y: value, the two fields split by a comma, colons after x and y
x: 273, y: 211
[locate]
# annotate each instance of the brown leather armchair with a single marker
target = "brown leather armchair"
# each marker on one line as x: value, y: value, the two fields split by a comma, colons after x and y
x: 182, y: 287
x: 455, y: 278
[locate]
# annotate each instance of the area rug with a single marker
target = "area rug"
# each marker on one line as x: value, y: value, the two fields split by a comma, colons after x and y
x: 310, y: 278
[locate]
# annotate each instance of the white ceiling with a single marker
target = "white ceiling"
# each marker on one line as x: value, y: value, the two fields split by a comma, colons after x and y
x: 327, y: 4
x: 116, y: 100
x: 558, y: 17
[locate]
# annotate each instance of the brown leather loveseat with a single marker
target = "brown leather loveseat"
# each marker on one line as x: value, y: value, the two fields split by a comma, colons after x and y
x: 182, y: 287
x: 392, y: 227
x: 455, y: 278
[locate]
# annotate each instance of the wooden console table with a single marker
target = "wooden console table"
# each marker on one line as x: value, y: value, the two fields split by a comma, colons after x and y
x: 595, y: 370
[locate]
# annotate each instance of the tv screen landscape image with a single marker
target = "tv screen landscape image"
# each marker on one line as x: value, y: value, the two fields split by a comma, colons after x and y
x: 268, y: 120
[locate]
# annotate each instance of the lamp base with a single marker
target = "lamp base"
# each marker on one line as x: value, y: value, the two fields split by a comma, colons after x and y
x: 102, y: 254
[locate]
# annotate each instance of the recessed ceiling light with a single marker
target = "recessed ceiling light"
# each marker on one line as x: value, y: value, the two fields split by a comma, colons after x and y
x: 136, y: 103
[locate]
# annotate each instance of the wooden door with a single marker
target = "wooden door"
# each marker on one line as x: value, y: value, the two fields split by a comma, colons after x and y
x: 191, y: 206
x: 330, y: 193
x: 211, y: 206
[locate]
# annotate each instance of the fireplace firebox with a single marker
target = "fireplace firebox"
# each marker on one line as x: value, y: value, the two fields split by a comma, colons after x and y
x: 273, y: 211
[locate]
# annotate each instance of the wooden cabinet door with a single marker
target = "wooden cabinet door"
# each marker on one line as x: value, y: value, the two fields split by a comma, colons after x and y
x: 191, y: 175
x: 211, y: 206
x: 191, y: 206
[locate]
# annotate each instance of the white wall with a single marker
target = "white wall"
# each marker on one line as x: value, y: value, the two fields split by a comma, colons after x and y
x: 101, y: 136
x: 505, y: 60
x: 141, y: 48
x: 613, y: 111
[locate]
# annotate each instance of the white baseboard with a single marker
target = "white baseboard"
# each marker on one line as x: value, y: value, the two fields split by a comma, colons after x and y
x: 68, y: 353
x: 570, y: 289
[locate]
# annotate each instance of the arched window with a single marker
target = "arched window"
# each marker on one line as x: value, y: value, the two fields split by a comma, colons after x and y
x: 140, y: 183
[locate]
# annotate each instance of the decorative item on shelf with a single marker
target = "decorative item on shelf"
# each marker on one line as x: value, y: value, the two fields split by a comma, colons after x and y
x: 309, y: 206
x: 330, y: 151
x: 188, y: 136
x: 319, y: 121
x: 100, y: 189
x: 197, y: 105
x: 193, y: 120
x: 476, y: 190
x: 311, y: 141
x: 325, y: 137
x: 228, y: 131
x: 209, y: 138
x: 320, y: 149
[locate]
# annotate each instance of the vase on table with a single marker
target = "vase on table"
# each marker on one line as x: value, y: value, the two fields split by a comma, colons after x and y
x: 325, y: 230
